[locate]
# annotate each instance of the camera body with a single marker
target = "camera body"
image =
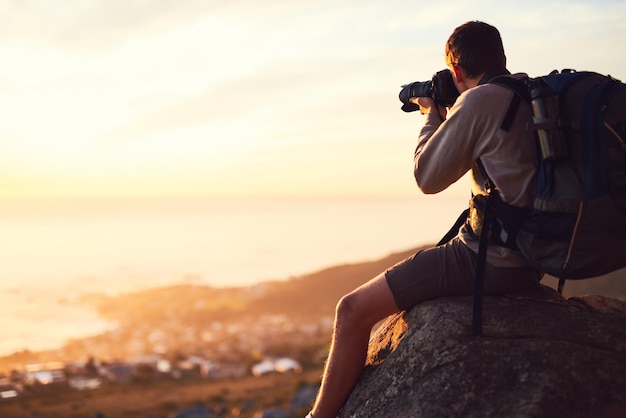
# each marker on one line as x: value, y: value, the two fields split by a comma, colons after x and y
x: 440, y: 88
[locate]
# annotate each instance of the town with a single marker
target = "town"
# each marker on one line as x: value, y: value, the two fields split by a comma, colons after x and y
x: 266, y: 343
x: 175, y: 343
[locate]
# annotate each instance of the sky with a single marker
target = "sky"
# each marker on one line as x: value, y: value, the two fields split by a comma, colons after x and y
x: 248, y: 98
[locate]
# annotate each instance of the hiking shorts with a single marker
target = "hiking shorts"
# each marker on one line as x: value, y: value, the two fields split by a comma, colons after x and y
x: 449, y: 270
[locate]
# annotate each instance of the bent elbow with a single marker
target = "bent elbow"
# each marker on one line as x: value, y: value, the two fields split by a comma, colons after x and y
x: 425, y: 184
x: 427, y: 190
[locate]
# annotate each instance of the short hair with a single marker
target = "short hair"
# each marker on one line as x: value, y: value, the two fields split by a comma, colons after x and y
x: 476, y: 47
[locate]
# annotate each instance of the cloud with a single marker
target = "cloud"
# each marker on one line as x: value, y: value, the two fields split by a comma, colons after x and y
x: 93, y: 24
x: 277, y: 92
x: 97, y: 24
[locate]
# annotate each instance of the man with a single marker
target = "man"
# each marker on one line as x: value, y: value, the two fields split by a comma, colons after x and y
x: 450, y: 144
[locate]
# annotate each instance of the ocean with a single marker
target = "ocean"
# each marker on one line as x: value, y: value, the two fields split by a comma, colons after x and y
x: 55, y: 250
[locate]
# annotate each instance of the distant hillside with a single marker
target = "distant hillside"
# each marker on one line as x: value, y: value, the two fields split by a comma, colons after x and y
x: 322, y: 289
x: 317, y: 293
x: 308, y: 296
x: 307, y: 293
x: 612, y: 285
x: 304, y: 297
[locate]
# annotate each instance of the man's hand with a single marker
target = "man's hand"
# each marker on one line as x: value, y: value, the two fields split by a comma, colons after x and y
x: 428, y: 105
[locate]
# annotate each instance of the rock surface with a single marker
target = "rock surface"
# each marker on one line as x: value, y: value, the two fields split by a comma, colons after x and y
x: 539, y: 356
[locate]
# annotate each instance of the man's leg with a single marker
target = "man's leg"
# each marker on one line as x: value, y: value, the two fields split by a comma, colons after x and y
x: 356, y: 314
x: 440, y: 271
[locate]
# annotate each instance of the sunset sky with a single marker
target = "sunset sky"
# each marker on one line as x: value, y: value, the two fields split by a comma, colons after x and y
x: 228, y: 98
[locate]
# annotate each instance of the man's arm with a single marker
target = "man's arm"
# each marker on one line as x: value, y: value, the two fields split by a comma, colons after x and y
x: 445, y: 147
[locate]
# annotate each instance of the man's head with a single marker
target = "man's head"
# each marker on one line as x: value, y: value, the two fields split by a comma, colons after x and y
x: 476, y: 47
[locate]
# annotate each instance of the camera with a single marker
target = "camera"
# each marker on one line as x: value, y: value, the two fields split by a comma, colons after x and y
x: 441, y: 89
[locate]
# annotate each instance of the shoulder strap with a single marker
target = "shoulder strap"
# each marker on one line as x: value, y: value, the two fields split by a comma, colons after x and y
x: 489, y: 186
x: 520, y: 89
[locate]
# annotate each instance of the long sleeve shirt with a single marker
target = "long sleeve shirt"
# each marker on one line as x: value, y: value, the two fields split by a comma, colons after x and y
x: 447, y: 149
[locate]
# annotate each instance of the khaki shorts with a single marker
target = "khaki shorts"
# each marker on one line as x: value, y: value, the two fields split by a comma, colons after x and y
x: 449, y: 270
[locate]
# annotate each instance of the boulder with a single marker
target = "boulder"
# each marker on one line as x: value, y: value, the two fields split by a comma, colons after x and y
x: 539, y: 356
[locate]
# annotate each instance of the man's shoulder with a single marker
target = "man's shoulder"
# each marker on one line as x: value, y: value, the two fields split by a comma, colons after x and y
x: 487, y: 95
x: 490, y: 101
x: 497, y: 90
x: 497, y: 83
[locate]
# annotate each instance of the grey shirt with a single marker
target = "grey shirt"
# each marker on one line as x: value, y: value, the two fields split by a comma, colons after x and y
x: 447, y: 150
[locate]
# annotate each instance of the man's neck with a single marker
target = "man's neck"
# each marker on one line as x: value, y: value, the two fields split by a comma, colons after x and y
x: 488, y: 75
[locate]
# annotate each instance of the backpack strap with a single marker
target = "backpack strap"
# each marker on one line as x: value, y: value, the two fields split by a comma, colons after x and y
x: 520, y: 89
x: 510, y: 113
x: 481, y: 261
x: 479, y: 276
x: 489, y: 214
x: 498, y: 76
x: 496, y: 216
x: 454, y: 230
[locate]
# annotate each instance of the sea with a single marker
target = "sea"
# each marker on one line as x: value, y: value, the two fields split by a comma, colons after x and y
x: 54, y: 250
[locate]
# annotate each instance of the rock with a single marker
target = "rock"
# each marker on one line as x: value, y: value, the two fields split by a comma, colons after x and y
x: 198, y: 411
x: 274, y: 413
x: 539, y: 356
x: 303, y: 399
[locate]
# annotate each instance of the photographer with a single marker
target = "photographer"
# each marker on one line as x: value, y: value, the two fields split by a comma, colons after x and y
x: 450, y: 144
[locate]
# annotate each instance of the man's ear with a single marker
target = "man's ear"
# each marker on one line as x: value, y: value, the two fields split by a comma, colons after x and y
x: 461, y: 81
x: 458, y: 74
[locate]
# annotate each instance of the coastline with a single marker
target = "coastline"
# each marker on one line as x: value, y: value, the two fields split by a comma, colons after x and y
x: 60, y: 253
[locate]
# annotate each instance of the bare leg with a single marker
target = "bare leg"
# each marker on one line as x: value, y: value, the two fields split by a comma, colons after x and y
x: 356, y: 314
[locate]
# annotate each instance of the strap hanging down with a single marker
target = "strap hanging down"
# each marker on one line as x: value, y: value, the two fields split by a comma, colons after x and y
x: 453, y: 232
x: 477, y: 317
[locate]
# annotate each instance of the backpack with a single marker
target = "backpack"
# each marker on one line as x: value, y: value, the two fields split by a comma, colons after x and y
x: 576, y: 228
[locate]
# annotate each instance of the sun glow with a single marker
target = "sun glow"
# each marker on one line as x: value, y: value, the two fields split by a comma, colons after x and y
x: 226, y: 99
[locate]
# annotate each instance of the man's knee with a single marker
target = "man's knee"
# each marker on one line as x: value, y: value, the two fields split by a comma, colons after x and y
x: 351, y: 311
x: 347, y: 310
